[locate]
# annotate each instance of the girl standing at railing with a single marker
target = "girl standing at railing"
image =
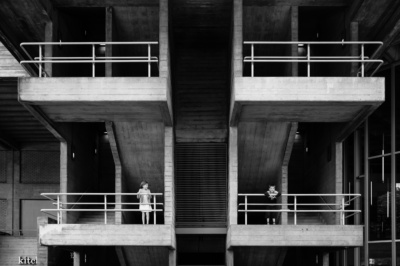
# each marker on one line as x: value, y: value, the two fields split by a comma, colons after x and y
x: 271, y: 199
x: 144, y: 195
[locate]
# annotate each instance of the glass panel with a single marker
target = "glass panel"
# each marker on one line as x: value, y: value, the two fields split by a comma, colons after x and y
x: 30, y: 210
x: 380, y: 222
x: 380, y: 254
x: 379, y: 124
x: 398, y: 198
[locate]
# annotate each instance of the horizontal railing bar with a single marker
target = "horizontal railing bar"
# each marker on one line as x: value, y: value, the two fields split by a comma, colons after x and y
x: 95, y: 210
x: 312, y: 61
x: 97, y: 57
x: 112, y: 203
x: 89, y: 61
x: 311, y: 57
x: 95, y: 194
x: 287, y: 204
x: 287, y: 210
x: 300, y: 195
x: 86, y: 43
x: 300, y: 42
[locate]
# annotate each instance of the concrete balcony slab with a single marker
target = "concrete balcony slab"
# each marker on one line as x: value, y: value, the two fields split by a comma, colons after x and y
x: 107, y: 235
x: 303, y: 99
x: 295, y: 235
x: 99, y: 99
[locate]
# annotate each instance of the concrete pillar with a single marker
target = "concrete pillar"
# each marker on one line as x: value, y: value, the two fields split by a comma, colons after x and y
x: 229, y: 259
x: 355, y: 51
x: 77, y: 258
x: 169, y: 184
x: 109, y: 34
x: 325, y: 259
x: 294, y: 38
x: 172, y: 257
x: 233, y: 177
x: 284, y: 190
x: 338, y: 175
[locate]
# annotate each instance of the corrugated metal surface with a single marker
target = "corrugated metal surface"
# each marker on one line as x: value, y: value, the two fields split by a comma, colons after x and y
x: 201, y: 184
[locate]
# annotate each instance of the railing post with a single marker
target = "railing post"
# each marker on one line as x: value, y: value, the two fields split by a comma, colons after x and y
x: 342, y: 211
x: 40, y: 60
x: 155, y: 206
x: 58, y: 210
x: 308, y: 60
x: 245, y: 209
x: 105, y: 209
x: 362, y: 60
x: 295, y: 210
x: 93, y: 59
x: 149, y: 63
x: 252, y: 64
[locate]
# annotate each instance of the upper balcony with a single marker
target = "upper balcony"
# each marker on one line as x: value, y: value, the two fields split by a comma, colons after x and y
x: 295, y: 67
x: 107, y: 70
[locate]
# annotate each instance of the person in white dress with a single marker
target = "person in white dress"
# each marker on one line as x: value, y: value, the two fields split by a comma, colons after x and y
x: 144, y: 195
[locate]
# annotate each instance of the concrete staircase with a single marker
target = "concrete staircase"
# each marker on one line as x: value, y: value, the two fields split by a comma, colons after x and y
x: 11, y: 248
x: 96, y: 218
x: 304, y: 218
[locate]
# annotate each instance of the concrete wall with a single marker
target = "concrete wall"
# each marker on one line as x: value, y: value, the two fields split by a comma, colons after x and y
x: 9, y: 66
x: 325, y: 170
x: 79, y: 174
x: 13, y: 191
x: 11, y: 248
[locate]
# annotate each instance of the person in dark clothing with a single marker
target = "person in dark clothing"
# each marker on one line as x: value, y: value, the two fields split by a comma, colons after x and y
x: 271, y: 196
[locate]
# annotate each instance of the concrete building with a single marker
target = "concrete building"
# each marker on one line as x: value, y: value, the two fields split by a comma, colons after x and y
x: 210, y: 102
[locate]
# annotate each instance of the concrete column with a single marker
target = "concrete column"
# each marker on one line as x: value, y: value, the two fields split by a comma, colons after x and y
x: 284, y: 190
x: 172, y: 258
x: 355, y: 50
x: 64, y: 174
x: 325, y: 259
x: 109, y: 34
x: 338, y: 175
x: 237, y: 51
x: 229, y: 259
x: 294, y: 32
x: 77, y: 258
x: 233, y: 177
x: 169, y: 184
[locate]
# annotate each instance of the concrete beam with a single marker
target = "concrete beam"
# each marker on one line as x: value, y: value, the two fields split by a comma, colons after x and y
x: 107, y: 235
x: 302, y: 99
x: 295, y: 235
x: 328, y: 3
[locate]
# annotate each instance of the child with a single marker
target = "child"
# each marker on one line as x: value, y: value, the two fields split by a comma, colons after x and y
x: 145, y: 197
x: 271, y: 198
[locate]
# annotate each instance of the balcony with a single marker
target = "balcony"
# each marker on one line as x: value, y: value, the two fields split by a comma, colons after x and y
x: 266, y: 88
x: 301, y: 220
x: 102, y: 219
x: 92, y: 84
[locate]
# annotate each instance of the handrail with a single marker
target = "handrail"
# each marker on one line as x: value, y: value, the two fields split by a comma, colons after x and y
x: 295, y: 210
x: 60, y: 210
x: 315, y: 59
x: 93, y: 59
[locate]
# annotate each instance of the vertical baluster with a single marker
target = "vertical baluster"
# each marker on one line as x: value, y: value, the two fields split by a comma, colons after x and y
x: 308, y: 60
x: 295, y: 210
x: 155, y: 206
x: 40, y: 60
x: 58, y: 210
x: 149, y: 63
x: 252, y: 62
x: 362, y: 60
x: 93, y: 59
x: 105, y: 209
x: 342, y: 210
x: 245, y: 209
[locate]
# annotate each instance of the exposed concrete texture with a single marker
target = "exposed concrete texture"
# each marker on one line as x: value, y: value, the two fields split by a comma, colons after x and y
x: 302, y: 99
x: 107, y: 235
x: 233, y: 176
x: 114, y: 99
x: 295, y: 235
x: 169, y: 180
x: 9, y: 66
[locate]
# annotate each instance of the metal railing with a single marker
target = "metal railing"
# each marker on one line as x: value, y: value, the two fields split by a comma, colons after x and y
x: 40, y: 60
x: 285, y: 206
x: 62, y: 207
x: 315, y: 59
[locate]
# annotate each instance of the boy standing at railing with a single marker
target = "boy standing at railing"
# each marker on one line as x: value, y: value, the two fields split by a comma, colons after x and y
x: 271, y: 198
